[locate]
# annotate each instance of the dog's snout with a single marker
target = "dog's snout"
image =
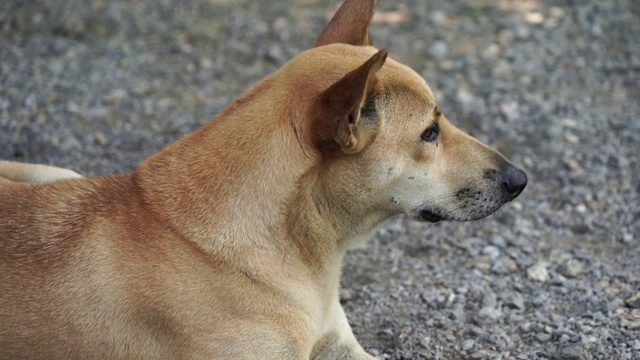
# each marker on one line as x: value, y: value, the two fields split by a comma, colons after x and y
x: 514, y: 181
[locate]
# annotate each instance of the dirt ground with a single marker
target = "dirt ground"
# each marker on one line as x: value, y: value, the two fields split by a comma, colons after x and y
x: 97, y: 86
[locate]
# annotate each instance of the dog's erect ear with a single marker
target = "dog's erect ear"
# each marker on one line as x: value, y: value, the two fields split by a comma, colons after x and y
x: 341, y: 104
x: 350, y: 25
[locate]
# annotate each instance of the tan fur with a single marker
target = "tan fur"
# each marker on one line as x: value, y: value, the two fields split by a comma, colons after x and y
x: 33, y: 173
x: 228, y: 243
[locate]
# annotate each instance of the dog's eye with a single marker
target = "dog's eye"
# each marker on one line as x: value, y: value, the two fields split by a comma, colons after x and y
x: 431, y: 134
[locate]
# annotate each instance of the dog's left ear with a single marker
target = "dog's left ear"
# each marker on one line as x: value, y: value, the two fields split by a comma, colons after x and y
x: 350, y: 24
x: 342, y: 103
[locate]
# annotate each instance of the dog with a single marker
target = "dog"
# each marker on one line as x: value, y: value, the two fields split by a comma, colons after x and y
x: 228, y: 243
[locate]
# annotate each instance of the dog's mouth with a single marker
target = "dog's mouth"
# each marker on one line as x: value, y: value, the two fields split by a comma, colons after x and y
x: 430, y: 216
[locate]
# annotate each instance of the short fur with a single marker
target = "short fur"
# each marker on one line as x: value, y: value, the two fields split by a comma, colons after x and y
x: 228, y: 243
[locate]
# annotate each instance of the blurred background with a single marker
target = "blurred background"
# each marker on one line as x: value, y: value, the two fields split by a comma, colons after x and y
x: 97, y: 86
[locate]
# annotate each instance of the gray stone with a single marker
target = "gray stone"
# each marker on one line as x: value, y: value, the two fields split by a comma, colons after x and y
x: 633, y: 301
x: 490, y: 309
x: 573, y: 268
x: 571, y: 352
x: 514, y: 300
x: 543, y: 338
x: 491, y: 251
x: 510, y: 111
x: 468, y: 344
x: 538, y: 272
x: 438, y: 50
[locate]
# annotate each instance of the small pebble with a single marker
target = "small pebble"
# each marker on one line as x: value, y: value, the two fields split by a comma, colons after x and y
x: 468, y: 344
x: 633, y: 301
x: 538, y: 272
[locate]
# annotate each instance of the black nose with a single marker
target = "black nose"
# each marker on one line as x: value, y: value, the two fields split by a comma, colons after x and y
x: 514, y: 181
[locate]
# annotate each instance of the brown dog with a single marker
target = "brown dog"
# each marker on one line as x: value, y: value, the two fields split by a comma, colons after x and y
x: 228, y: 243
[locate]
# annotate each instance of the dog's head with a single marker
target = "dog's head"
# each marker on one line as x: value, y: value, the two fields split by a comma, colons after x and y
x: 386, y: 146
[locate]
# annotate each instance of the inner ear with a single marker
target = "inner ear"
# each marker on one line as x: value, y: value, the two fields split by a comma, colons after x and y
x: 342, y: 105
x: 350, y: 24
x: 362, y: 126
x: 368, y: 109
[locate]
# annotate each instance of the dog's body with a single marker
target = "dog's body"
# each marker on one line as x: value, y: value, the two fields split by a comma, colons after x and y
x: 228, y: 244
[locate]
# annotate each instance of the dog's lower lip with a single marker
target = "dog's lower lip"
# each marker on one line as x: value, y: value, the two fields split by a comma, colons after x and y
x: 430, y: 216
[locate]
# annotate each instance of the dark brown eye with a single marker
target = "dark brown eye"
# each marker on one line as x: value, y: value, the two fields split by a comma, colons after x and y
x: 431, y: 134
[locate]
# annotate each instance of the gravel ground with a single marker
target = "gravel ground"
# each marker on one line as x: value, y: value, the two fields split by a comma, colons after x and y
x: 96, y: 86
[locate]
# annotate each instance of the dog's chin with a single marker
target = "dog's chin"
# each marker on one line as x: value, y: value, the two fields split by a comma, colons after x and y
x: 467, y: 209
x: 473, y: 214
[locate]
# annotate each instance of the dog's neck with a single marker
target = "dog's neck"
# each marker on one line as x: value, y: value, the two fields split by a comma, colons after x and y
x: 245, y: 194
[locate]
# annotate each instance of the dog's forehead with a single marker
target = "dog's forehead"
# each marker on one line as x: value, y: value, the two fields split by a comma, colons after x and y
x: 402, y: 75
x: 393, y: 75
x: 402, y: 80
x: 333, y: 61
